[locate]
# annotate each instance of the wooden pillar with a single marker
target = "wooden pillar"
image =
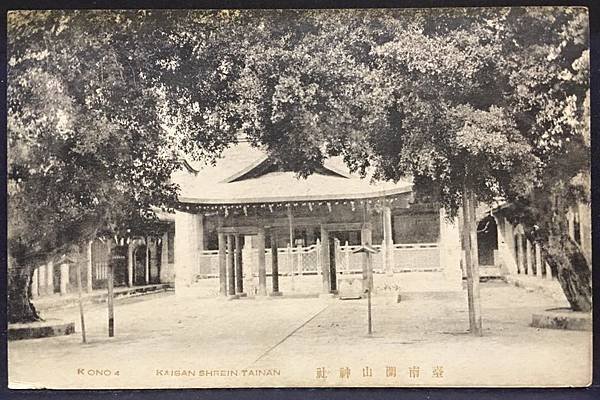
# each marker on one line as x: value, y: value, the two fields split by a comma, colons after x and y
x: 262, y: 272
x: 366, y: 238
x: 110, y: 277
x: 333, y: 249
x: 388, y: 241
x: 325, y: 272
x: 89, y: 270
x: 310, y: 235
x: 274, y: 263
x: 230, y: 266
x: 471, y: 261
x: 222, y: 265
x: 239, y: 276
x: 64, y: 278
x: 291, y: 246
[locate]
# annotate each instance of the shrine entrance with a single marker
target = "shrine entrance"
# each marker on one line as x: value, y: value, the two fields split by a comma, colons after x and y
x: 339, y: 263
x: 330, y: 236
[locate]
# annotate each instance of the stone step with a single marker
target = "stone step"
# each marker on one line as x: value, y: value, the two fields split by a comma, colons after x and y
x: 562, y: 318
x: 40, y: 329
x: 98, y: 296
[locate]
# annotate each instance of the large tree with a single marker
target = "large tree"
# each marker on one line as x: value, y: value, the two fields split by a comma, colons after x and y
x: 91, y: 146
x: 481, y: 105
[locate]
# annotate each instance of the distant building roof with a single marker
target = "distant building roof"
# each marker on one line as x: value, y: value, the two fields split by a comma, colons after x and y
x: 245, y: 175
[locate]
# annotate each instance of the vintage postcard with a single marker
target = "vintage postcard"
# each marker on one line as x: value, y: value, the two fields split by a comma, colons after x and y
x: 299, y: 198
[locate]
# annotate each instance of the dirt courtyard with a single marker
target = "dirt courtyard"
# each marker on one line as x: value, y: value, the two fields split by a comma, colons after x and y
x: 168, y: 341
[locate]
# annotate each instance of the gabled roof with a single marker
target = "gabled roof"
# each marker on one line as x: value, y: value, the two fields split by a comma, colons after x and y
x: 245, y: 175
x: 265, y: 165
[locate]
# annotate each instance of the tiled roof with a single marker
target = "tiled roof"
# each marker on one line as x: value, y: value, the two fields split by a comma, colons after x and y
x: 210, y: 186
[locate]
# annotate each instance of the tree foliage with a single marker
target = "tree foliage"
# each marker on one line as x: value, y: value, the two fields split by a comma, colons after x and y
x: 91, y: 141
x: 102, y: 104
x: 488, y: 100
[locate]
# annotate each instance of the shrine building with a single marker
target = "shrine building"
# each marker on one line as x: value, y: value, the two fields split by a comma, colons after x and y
x: 245, y: 227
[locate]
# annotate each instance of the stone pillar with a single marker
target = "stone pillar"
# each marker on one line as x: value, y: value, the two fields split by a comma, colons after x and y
x: 585, y: 230
x: 50, y: 277
x: 249, y: 264
x: 262, y: 272
x: 529, y: 257
x: 520, y: 266
x: 506, y: 245
x: 130, y: 269
x: 89, y: 269
x: 222, y: 264
x: 325, y: 267
x: 35, y: 284
x: 388, y: 242
x: 64, y: 278
x: 239, y: 275
x: 571, y: 223
x: 299, y: 260
x: 189, y: 239
x: 42, y: 280
x: 274, y: 263
x: 230, y: 266
x: 450, y: 250
x: 154, y: 260
x: 548, y: 271
x: 164, y: 258
x: 538, y: 260
x: 147, y: 262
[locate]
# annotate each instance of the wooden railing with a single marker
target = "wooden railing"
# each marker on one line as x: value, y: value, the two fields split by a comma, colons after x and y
x: 407, y: 257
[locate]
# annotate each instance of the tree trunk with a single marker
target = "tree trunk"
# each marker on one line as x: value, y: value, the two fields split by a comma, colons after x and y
x: 20, y: 308
x: 572, y: 271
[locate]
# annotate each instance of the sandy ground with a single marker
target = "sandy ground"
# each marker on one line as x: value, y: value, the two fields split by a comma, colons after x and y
x: 167, y: 341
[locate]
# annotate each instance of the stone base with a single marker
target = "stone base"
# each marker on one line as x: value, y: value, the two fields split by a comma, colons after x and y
x: 242, y: 294
x: 276, y: 294
x: 40, y: 329
x: 227, y: 297
x: 434, y: 295
x: 351, y: 297
x: 562, y: 318
x: 327, y: 295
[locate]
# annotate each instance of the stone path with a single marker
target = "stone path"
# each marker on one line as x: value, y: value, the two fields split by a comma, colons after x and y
x: 161, y: 340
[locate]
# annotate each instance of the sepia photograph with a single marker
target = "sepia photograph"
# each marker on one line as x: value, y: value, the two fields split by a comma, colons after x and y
x: 292, y: 198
